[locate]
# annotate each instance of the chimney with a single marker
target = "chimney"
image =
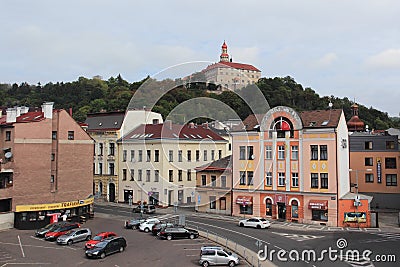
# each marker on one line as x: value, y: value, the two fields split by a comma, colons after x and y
x: 18, y: 111
x: 47, y: 109
x: 168, y: 123
x: 191, y: 125
x: 70, y: 112
x: 11, y: 115
x: 24, y: 110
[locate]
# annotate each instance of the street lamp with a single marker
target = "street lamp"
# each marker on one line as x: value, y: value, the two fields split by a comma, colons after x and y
x: 141, y: 199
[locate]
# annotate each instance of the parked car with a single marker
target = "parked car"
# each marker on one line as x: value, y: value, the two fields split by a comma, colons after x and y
x: 60, y: 230
x: 256, y: 222
x: 106, y: 247
x: 133, y: 223
x: 214, y: 255
x: 146, y: 209
x: 147, y: 225
x: 42, y: 231
x: 98, y: 238
x: 159, y: 226
x: 178, y: 232
x: 74, y: 236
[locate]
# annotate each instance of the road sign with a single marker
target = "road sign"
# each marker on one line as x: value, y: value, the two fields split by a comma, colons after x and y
x: 258, y: 243
x: 198, y: 199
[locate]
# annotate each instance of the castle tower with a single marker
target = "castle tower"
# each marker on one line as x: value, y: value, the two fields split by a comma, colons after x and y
x: 355, y: 124
x: 224, y: 57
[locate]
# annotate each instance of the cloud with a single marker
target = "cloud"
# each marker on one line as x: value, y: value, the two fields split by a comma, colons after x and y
x: 388, y: 59
x: 325, y: 61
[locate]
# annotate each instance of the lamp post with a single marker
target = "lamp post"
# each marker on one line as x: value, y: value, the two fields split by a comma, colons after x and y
x: 141, y: 200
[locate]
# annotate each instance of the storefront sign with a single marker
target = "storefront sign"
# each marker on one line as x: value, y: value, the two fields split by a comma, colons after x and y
x: 244, y: 200
x: 280, y: 198
x: 54, y: 206
x: 318, y: 204
x: 379, y: 170
x: 355, y: 217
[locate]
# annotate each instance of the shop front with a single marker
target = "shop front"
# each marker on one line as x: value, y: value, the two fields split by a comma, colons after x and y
x: 319, y: 210
x: 245, y: 204
x: 29, y: 217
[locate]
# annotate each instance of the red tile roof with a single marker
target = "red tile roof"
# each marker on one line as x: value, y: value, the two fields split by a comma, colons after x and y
x: 234, y: 65
x: 172, y: 131
x: 224, y: 164
x: 31, y: 117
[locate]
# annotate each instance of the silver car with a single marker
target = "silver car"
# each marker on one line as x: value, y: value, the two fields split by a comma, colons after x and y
x: 214, y: 255
x: 75, y: 235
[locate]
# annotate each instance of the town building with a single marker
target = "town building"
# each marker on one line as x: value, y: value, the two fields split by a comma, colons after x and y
x: 213, y: 187
x: 158, y: 162
x: 46, y: 167
x: 106, y: 128
x: 295, y: 166
x: 229, y: 75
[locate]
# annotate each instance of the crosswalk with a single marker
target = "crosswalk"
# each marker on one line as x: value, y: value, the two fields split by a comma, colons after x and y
x: 357, y: 262
x: 299, y: 237
x: 384, y: 237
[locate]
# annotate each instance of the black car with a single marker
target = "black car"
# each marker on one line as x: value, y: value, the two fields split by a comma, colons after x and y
x: 133, y: 223
x: 178, y: 232
x: 146, y: 209
x: 106, y: 247
x: 159, y: 226
x: 48, y: 228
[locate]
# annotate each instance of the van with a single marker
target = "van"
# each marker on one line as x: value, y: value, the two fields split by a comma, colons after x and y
x: 214, y: 255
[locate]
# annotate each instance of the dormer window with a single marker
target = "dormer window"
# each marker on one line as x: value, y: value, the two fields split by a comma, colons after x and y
x: 281, y: 125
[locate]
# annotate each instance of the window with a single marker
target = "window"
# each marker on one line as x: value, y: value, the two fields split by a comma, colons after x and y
x: 368, y: 145
x: 112, y: 149
x: 156, y: 175
x: 111, y: 168
x: 148, y: 155
x: 54, y: 135
x: 229, y: 146
x: 180, y: 155
x: 389, y: 144
x: 203, y: 180
x: 171, y: 175
x: 295, y: 179
x: 124, y: 174
x: 242, y: 178
x: 242, y: 152
x: 212, y: 154
x: 324, y: 180
x: 323, y: 150
x: 219, y: 154
x: 171, y: 155
x: 213, y: 180
x: 100, y: 168
x: 124, y: 155
x: 140, y: 156
x: 222, y: 203
x: 223, y: 181
x: 71, y: 135
x: 268, y: 179
x: 53, y: 156
x: 268, y: 152
x: 132, y: 175
x: 281, y: 178
x: 268, y: 207
x: 295, y: 209
x: 314, y: 180
x: 147, y: 175
x: 51, y: 178
x: 180, y: 175
x: 8, y: 135
x: 139, y: 175
x: 369, y: 161
x: 189, y: 155
x: 205, y: 155
x: 156, y: 155
x: 189, y: 175
x: 281, y: 152
x: 295, y: 152
x: 314, y: 152
x: 132, y: 155
x: 250, y: 176
x: 197, y: 155
x: 319, y: 215
x: 250, y: 154
x: 369, y: 178
x: 391, y: 180
x: 212, y: 203
x: 101, y: 149
x: 390, y: 163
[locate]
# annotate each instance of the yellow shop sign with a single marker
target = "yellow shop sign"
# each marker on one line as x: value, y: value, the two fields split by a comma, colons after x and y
x: 54, y: 206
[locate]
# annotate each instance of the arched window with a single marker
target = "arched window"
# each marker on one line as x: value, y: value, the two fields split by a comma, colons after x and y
x: 295, y: 209
x: 268, y: 207
x: 281, y: 125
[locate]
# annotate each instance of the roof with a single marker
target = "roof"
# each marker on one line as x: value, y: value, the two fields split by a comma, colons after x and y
x: 105, y: 121
x: 33, y: 116
x: 240, y: 66
x: 217, y: 165
x: 167, y: 130
x: 252, y: 121
x: 327, y: 118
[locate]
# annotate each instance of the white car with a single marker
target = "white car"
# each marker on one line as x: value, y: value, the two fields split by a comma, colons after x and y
x: 256, y: 222
x: 147, y: 225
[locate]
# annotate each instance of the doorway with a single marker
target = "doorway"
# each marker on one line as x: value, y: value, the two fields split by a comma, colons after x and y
x: 111, y: 192
x: 170, y: 193
x: 281, y: 211
x: 128, y: 194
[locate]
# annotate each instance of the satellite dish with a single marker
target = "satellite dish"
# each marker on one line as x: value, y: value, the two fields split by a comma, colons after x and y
x: 8, y: 155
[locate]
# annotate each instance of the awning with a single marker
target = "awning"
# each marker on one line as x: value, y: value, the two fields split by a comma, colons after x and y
x: 318, y: 204
x: 244, y: 200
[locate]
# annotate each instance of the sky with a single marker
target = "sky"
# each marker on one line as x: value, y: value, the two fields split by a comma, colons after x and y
x: 345, y: 48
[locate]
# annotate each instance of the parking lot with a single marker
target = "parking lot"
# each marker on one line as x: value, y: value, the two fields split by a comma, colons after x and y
x: 22, y: 248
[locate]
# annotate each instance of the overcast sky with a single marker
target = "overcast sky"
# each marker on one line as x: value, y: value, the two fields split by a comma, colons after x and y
x: 340, y: 47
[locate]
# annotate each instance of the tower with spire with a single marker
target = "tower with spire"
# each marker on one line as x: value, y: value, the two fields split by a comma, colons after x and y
x: 355, y: 124
x: 224, y: 57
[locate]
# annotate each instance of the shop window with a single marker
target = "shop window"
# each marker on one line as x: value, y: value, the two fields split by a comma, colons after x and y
x: 212, y: 202
x: 248, y: 209
x: 314, y: 180
x: 390, y: 163
x: 314, y: 152
x: 268, y: 207
x: 320, y: 215
x: 368, y: 161
x: 295, y: 209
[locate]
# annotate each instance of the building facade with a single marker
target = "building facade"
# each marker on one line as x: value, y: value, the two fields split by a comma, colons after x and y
x: 46, y: 167
x: 158, y: 162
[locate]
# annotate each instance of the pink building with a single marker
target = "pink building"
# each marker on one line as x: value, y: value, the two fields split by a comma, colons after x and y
x: 46, y: 167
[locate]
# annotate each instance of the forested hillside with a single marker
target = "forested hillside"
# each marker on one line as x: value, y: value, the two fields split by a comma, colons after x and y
x: 93, y: 95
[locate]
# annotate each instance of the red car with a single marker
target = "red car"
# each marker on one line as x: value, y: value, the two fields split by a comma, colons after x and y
x: 61, y: 230
x: 98, y: 238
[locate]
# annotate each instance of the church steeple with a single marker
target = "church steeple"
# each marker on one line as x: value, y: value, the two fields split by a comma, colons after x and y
x: 224, y: 57
x: 355, y: 124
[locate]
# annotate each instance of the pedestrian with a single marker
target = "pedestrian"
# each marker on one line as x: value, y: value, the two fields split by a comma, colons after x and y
x: 64, y: 216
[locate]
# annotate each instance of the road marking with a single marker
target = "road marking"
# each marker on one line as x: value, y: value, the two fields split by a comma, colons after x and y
x: 22, y: 249
x: 297, y: 237
x: 13, y: 244
x: 25, y: 263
